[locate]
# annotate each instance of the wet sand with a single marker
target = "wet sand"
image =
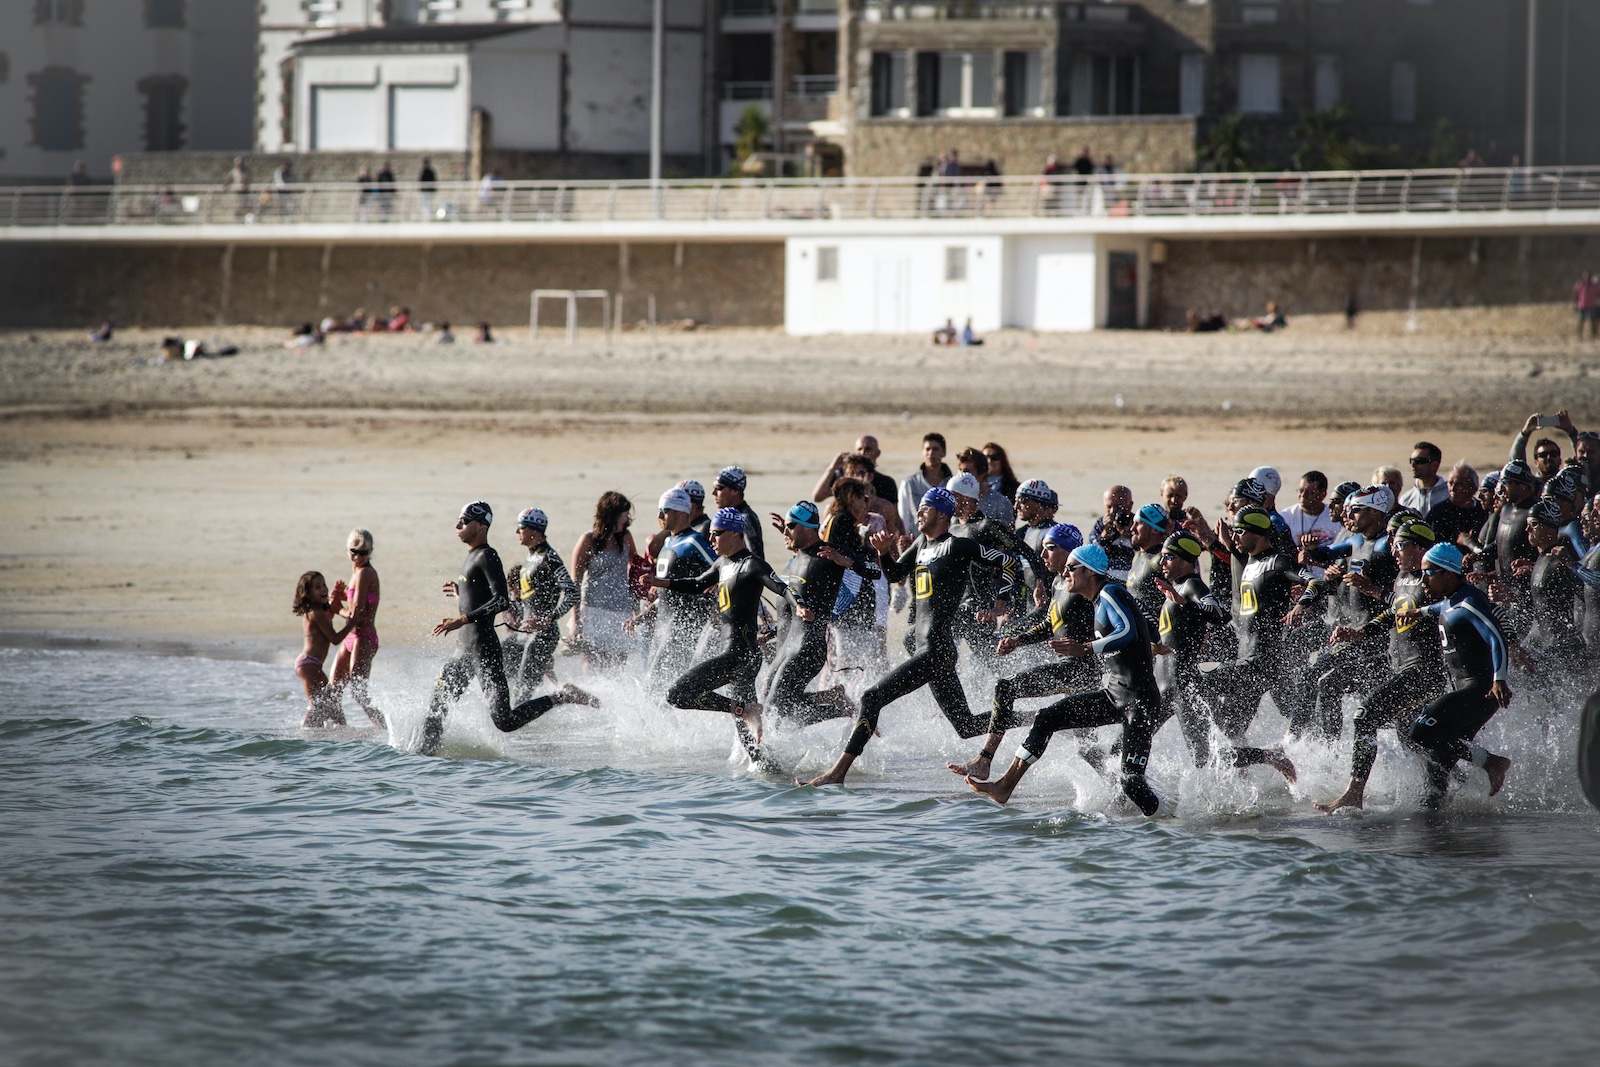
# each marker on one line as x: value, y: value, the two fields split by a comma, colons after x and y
x: 174, y: 505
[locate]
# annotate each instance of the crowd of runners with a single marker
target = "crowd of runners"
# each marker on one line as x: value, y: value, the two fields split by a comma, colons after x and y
x: 1420, y: 596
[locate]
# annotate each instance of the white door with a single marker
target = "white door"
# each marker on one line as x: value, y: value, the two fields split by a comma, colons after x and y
x: 1064, y: 292
x: 344, y: 117
x: 427, y: 116
x: 891, y: 295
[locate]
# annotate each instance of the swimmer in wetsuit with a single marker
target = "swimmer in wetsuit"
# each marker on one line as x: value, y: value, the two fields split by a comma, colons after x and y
x: 740, y: 577
x: 813, y: 577
x: 1068, y: 617
x: 1189, y: 611
x: 481, y: 591
x: 1475, y: 655
x: 1128, y: 695
x: 1415, y: 663
x: 940, y: 567
x: 679, y: 551
x: 545, y: 592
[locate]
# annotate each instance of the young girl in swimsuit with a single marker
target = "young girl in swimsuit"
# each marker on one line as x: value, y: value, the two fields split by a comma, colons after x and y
x: 311, y: 601
x: 352, y: 667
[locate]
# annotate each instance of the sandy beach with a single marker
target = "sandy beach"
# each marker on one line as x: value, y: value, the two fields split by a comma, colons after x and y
x: 174, y: 505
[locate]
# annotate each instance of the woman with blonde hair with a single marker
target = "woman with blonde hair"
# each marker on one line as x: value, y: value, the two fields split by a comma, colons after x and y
x: 352, y: 667
x: 314, y: 604
x: 600, y: 566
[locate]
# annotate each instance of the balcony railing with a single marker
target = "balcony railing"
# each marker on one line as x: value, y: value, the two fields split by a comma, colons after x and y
x: 1394, y: 193
x: 815, y: 84
x: 747, y: 90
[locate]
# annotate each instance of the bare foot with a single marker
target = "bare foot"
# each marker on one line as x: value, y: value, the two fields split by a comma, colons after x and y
x: 750, y: 715
x: 1496, y: 767
x: 571, y: 694
x: 998, y: 792
x: 1350, y: 798
x: 1280, y: 763
x: 835, y: 774
x: 977, y: 767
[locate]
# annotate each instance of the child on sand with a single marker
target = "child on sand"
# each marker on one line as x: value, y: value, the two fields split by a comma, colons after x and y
x: 313, y: 602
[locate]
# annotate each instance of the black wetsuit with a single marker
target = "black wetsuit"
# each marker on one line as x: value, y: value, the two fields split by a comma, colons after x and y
x: 987, y: 584
x: 1416, y: 671
x: 1354, y: 667
x: 481, y: 590
x: 1450, y: 522
x: 545, y: 590
x: 1556, y: 636
x: 1142, y: 575
x: 1235, y: 689
x: 740, y: 580
x: 839, y: 532
x: 1506, y: 533
x: 1067, y: 615
x: 1183, y: 629
x: 752, y: 531
x: 1591, y: 602
x: 939, y: 570
x: 1128, y: 694
x: 680, y: 617
x: 1475, y: 655
x: 813, y: 582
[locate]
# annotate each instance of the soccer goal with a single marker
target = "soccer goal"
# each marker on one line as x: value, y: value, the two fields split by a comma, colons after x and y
x: 629, y: 295
x: 571, y: 296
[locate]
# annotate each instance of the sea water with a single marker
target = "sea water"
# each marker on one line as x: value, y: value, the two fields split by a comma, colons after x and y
x: 186, y: 877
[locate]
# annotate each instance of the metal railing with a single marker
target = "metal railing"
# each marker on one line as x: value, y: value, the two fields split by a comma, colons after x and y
x: 1397, y: 192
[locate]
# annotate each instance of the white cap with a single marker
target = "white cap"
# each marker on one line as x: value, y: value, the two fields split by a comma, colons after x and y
x: 1269, y: 477
x: 675, y: 500
x: 965, y: 484
x: 1377, y: 497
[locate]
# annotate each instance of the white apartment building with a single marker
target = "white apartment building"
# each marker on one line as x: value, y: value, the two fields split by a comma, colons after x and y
x: 284, y: 23
x: 568, y: 77
x: 91, y: 79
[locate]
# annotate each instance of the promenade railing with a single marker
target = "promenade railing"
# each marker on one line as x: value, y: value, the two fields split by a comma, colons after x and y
x: 1392, y: 192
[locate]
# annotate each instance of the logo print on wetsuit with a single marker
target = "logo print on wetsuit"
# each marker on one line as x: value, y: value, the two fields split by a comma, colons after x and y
x: 1166, y: 621
x: 924, y: 583
x: 1406, y: 604
x: 1247, y: 600
x: 724, y: 598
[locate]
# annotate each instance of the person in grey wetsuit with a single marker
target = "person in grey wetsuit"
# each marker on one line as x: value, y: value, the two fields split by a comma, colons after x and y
x: 480, y: 589
x: 545, y: 592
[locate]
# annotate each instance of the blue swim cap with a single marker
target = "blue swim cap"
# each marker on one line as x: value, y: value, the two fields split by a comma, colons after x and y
x: 728, y: 519
x: 1154, y: 516
x: 1445, y: 556
x: 805, y: 513
x: 1064, y: 536
x: 940, y: 500
x: 1091, y: 556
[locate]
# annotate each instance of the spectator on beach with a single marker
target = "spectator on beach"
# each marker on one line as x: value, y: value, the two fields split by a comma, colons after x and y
x: 866, y: 447
x: 102, y: 335
x: 485, y: 335
x: 1460, y: 515
x: 1391, y: 477
x: 968, y: 336
x: 1272, y: 320
x: 946, y: 334
x: 1002, y: 479
x: 1472, y: 159
x: 445, y: 337
x: 932, y: 474
x: 1587, y: 295
x: 1429, y: 489
x: 600, y: 566
x: 399, y: 320
x: 427, y: 181
x: 1194, y: 322
x: 305, y: 336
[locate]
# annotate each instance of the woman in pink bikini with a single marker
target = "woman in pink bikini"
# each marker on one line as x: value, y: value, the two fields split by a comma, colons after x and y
x: 312, y: 602
x: 353, y: 665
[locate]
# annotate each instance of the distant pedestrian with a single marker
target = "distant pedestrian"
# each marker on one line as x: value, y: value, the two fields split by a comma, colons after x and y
x: 365, y: 191
x: 1587, y: 295
x: 385, y: 192
x: 1084, y: 164
x: 427, y: 181
x: 239, y: 184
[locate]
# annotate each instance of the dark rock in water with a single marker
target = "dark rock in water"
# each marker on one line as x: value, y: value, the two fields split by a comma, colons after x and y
x: 1589, y: 749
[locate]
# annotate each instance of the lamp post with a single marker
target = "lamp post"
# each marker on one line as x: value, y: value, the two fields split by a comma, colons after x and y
x: 657, y: 44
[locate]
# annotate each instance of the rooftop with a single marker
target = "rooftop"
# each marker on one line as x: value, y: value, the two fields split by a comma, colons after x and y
x: 448, y: 33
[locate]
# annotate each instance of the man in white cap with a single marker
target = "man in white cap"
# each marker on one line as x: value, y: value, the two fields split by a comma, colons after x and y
x: 679, y: 618
x: 1271, y: 481
x: 990, y: 593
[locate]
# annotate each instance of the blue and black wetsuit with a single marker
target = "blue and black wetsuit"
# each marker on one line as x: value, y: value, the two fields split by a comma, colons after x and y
x: 1128, y: 694
x: 1475, y: 656
x: 939, y: 570
x: 680, y: 617
x: 545, y: 590
x: 481, y: 590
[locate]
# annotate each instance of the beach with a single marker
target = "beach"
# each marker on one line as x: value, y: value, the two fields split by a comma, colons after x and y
x: 175, y: 503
